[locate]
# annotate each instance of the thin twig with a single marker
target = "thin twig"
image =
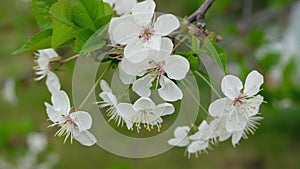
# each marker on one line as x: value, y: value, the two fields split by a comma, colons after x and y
x: 199, y: 14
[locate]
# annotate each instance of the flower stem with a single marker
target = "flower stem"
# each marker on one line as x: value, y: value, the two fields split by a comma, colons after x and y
x: 70, y: 58
x: 93, y: 88
x: 209, y: 84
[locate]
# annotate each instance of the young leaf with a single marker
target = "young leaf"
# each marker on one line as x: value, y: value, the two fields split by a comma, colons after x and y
x: 108, y: 14
x: 195, y: 43
x: 63, y: 27
x: 96, y: 41
x: 86, y: 14
x: 40, y: 40
x: 222, y: 56
x: 214, y: 53
x: 81, y: 39
x: 192, y: 57
x: 40, y: 9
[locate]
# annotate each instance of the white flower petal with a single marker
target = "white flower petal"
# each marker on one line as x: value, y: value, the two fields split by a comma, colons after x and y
x: 202, y: 133
x: 104, y: 86
x: 43, y: 62
x: 127, y: 113
x: 143, y: 12
x: 143, y: 104
x: 112, y: 24
x: 218, y: 126
x: 152, y: 119
x: 253, y: 104
x: 125, y: 77
x: 169, y: 91
x: 182, y: 131
x: 181, y: 139
x: 165, y: 51
x: 109, y: 99
x: 176, y: 67
x: 165, y: 24
x: 153, y: 43
x: 179, y: 142
x: 61, y: 102
x: 224, y: 135
x: 231, y: 86
x: 124, y: 6
x: 236, y: 136
x: 142, y: 86
x: 136, y: 52
x: 166, y: 46
x: 52, y: 82
x: 197, y: 146
x: 134, y: 69
x: 218, y: 107
x: 47, y: 53
x: 253, y: 82
x: 110, y: 2
x: 82, y: 119
x: 84, y: 137
x: 53, y: 115
x: 164, y: 109
x: 124, y: 31
x: 236, y: 122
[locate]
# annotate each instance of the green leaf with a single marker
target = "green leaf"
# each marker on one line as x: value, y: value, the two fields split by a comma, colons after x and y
x: 195, y: 43
x: 40, y: 40
x: 193, y: 59
x: 40, y: 9
x: 96, y: 41
x: 194, y: 62
x: 105, y: 19
x: 63, y: 27
x: 82, y: 38
x: 92, y: 14
x: 222, y: 56
x: 217, y: 54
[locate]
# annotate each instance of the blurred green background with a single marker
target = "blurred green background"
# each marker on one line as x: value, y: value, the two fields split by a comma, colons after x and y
x: 262, y: 35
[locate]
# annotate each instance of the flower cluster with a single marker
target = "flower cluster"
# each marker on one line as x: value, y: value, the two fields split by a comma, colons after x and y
x: 147, y: 63
x: 73, y: 124
x: 234, y: 116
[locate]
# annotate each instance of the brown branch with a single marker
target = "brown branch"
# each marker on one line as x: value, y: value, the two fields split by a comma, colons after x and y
x: 199, y: 14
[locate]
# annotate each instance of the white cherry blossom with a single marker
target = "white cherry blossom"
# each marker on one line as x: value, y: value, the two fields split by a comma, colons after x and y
x: 221, y: 134
x: 121, y: 6
x: 144, y: 112
x: 159, y: 68
x: 237, y: 112
x: 181, y: 137
x: 110, y: 101
x: 200, y: 140
x: 72, y: 124
x: 43, y: 59
x: 139, y: 33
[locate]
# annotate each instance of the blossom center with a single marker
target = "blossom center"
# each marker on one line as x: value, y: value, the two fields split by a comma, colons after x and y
x: 146, y: 33
x: 157, y: 68
x: 239, y: 100
x: 148, y: 119
x: 67, y: 128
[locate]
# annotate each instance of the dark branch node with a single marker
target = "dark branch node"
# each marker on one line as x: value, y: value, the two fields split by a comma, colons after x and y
x: 199, y: 14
